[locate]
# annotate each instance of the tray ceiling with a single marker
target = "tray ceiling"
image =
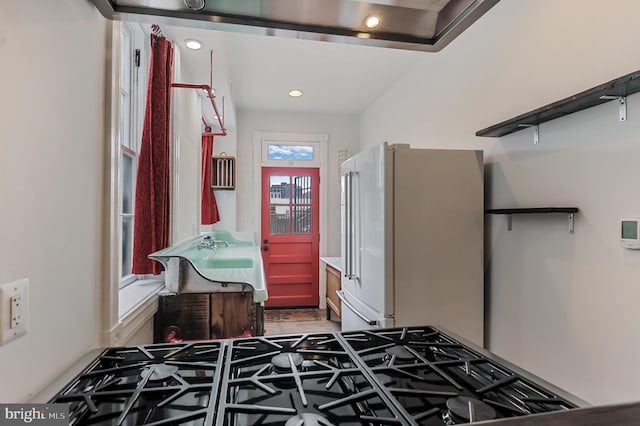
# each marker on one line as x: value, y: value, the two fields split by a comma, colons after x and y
x: 424, y: 25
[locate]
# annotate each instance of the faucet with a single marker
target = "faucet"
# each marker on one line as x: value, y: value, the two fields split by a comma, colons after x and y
x: 207, y: 242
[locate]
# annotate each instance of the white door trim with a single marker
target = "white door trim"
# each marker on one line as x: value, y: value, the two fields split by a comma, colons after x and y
x: 258, y: 138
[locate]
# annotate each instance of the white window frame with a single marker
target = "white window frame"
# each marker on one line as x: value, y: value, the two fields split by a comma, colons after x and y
x: 130, y: 129
x: 131, y: 124
x: 126, y: 309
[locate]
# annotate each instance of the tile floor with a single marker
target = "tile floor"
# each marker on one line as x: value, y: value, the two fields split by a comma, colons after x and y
x: 310, y: 326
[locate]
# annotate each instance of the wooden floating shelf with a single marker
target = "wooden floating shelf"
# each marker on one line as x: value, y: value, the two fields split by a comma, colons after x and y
x: 619, y: 89
x: 534, y: 210
x: 570, y: 211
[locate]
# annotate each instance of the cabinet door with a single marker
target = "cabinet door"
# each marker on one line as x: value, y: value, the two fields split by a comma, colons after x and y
x: 333, y: 285
x: 189, y: 313
x: 232, y: 314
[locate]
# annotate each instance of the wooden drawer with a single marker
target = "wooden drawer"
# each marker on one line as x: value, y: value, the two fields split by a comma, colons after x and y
x: 333, y: 285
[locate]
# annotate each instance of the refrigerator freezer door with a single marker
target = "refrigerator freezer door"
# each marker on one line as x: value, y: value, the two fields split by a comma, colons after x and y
x: 358, y: 316
x: 371, y: 185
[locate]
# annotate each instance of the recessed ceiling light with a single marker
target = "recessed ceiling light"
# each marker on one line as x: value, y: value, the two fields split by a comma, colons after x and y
x: 295, y: 93
x: 193, y: 44
x: 194, y: 4
x: 372, y: 21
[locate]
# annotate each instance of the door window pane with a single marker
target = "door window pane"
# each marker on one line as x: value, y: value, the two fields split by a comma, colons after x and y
x: 280, y: 189
x: 279, y: 219
x: 302, y: 193
x: 301, y: 220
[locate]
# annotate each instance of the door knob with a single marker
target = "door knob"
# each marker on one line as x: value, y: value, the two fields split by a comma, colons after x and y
x: 265, y: 248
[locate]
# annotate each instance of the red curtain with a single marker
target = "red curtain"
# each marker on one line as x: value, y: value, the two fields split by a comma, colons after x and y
x: 209, y: 209
x: 151, y: 222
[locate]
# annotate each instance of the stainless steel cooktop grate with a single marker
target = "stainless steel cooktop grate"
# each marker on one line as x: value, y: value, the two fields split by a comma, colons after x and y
x: 401, y: 376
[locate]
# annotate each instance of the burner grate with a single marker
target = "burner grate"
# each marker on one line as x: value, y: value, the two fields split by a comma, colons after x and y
x: 425, y: 370
x: 154, y: 385
x: 310, y: 378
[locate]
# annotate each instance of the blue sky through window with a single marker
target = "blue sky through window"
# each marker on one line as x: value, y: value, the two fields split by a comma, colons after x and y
x: 290, y: 152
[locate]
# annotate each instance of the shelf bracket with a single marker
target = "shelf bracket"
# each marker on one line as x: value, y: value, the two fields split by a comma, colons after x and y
x: 570, y: 219
x: 570, y: 211
x: 571, y: 228
x: 622, y: 105
x: 536, y: 132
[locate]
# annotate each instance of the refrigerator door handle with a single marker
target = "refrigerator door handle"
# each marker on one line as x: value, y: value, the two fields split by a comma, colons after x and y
x: 354, y: 224
x: 347, y: 253
x: 349, y: 225
x: 340, y: 294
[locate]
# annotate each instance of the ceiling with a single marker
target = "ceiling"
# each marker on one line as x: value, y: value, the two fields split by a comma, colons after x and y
x: 264, y: 48
x: 334, y: 78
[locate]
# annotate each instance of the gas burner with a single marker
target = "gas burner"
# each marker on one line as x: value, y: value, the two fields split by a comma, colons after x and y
x: 400, y: 352
x: 159, y: 372
x: 283, y: 361
x: 466, y: 410
x: 308, y: 419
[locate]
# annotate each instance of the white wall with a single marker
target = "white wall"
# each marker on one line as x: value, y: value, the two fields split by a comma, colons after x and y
x: 52, y: 112
x: 185, y: 105
x: 222, y: 145
x: 343, y: 133
x: 562, y: 306
x: 226, y: 199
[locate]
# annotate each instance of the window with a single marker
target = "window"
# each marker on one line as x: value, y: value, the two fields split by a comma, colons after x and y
x: 280, y: 151
x: 127, y: 308
x: 292, y: 154
x: 131, y: 113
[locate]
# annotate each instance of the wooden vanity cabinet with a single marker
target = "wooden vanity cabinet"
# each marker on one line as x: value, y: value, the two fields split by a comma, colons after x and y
x: 333, y: 285
x: 205, y: 316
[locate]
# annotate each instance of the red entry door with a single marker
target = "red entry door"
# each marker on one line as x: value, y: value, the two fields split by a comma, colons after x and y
x: 290, y: 235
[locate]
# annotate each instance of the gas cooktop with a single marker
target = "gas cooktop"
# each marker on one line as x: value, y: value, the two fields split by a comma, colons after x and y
x: 401, y: 376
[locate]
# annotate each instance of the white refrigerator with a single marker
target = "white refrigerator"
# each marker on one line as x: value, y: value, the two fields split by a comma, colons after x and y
x: 412, y: 239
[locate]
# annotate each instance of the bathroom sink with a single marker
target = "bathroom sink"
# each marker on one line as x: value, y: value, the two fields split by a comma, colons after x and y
x: 226, y: 263
x: 214, y: 262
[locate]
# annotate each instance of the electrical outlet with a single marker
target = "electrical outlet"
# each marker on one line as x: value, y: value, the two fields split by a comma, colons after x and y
x: 13, y: 310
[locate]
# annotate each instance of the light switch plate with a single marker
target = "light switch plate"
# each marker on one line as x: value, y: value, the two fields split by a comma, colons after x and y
x: 14, y: 309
